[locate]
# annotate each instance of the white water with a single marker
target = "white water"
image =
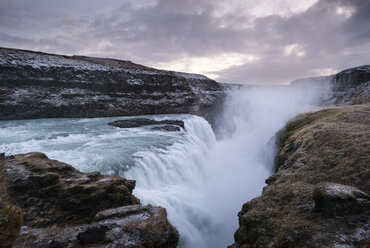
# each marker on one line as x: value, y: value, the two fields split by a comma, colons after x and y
x: 200, y: 181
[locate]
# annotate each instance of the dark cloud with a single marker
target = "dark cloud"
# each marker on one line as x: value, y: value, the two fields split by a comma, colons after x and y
x: 329, y: 40
x: 155, y: 32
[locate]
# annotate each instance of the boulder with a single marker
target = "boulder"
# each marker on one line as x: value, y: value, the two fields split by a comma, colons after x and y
x: 333, y: 199
x: 63, y: 207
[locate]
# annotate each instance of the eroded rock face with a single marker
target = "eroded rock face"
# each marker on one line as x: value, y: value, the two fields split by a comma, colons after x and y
x: 63, y: 207
x: 319, y: 195
x: 351, y: 78
x: 39, y: 85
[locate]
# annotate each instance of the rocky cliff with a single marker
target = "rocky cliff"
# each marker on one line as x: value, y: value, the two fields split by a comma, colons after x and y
x: 40, y: 85
x: 351, y: 86
x: 319, y: 195
x: 63, y: 207
x: 348, y: 87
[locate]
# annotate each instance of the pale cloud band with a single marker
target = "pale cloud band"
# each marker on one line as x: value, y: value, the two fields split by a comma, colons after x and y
x: 235, y: 41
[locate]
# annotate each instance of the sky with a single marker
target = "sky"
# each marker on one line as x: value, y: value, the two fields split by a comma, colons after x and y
x: 231, y: 41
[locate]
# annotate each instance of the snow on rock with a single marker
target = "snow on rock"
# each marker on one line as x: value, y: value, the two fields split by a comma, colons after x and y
x: 40, y: 85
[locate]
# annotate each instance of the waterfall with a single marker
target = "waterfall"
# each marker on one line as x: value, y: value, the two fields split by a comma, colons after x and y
x: 170, y: 178
x: 202, y: 182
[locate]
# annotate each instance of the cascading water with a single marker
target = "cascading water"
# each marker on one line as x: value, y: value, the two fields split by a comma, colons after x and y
x: 200, y: 181
x: 171, y: 178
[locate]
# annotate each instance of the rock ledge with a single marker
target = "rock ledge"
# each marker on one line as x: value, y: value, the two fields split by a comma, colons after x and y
x: 63, y: 207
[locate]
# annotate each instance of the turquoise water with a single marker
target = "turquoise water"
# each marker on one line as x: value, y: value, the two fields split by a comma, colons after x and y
x: 202, y: 182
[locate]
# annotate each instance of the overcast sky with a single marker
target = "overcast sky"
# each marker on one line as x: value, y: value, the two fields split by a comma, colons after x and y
x: 232, y: 41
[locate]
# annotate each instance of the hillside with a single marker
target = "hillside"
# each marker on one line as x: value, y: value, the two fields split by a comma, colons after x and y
x: 41, y: 85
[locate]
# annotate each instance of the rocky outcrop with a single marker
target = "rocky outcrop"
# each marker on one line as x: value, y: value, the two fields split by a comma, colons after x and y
x: 40, y: 85
x: 333, y: 199
x: 319, y: 195
x: 351, y: 78
x: 138, y: 122
x: 63, y: 207
x: 348, y: 87
x: 351, y: 86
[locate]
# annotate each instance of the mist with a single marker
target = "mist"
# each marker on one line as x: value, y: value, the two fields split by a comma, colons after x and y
x: 203, y: 181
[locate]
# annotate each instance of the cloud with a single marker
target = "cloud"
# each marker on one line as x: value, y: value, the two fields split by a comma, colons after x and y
x: 290, y: 38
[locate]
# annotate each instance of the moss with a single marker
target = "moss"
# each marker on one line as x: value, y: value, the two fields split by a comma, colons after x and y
x: 304, y: 121
x: 11, y: 218
x: 11, y: 221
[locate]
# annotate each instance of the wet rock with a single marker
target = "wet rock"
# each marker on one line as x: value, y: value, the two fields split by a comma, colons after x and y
x: 93, y: 234
x: 138, y: 122
x: 121, y: 212
x: 333, y: 199
x: 10, y: 215
x: 167, y: 128
x: 64, y: 207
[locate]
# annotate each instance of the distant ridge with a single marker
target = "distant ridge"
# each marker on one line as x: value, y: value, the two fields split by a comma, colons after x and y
x: 42, y: 85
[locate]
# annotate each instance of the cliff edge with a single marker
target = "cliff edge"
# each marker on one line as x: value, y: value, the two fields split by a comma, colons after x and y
x: 41, y: 85
x: 319, y: 195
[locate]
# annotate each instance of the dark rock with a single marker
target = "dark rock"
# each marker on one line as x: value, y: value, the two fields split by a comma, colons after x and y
x: 121, y: 212
x: 94, y: 234
x: 333, y: 199
x: 138, y: 122
x: 34, y: 180
x: 40, y: 85
x: 58, y: 244
x: 63, y: 207
x: 167, y: 128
